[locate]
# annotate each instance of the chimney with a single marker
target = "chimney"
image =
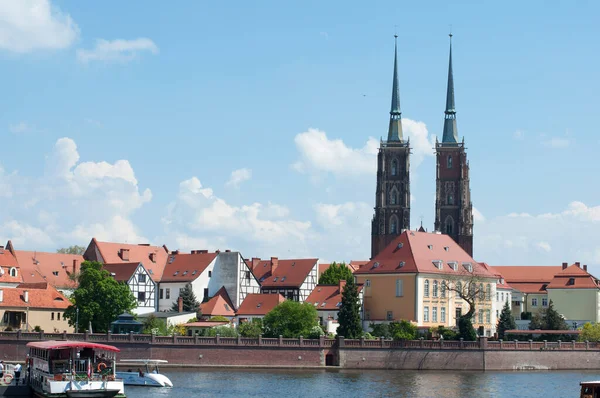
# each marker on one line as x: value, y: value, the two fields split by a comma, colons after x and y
x: 153, y: 257
x: 342, y: 285
x: 578, y: 264
x: 1, y: 295
x: 227, y: 251
x: 1, y: 249
x: 180, y: 304
x: 203, y: 251
x: 585, y: 267
x: 25, y: 296
x: 75, y: 266
x: 217, y: 251
x: 255, y: 262
x: 565, y: 265
x: 274, y: 264
x: 125, y: 254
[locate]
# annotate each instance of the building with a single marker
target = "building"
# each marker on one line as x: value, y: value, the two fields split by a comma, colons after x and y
x: 10, y: 271
x: 453, y: 207
x: 416, y: 278
x: 294, y: 279
x: 327, y: 299
x: 31, y: 305
x: 392, y: 198
x: 59, y: 270
x: 218, y: 305
x: 154, y: 258
x: 140, y: 283
x: 257, y: 305
x: 504, y: 292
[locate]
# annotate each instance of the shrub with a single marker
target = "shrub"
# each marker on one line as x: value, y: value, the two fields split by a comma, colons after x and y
x: 403, y: 330
x: 369, y: 336
x: 465, y: 329
x: 380, y: 330
x: 37, y: 328
x: 252, y: 328
x: 8, y: 329
x: 218, y: 318
x: 223, y: 331
x: 315, y: 332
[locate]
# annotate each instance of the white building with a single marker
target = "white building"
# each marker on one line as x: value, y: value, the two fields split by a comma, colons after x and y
x: 294, y: 279
x: 140, y: 283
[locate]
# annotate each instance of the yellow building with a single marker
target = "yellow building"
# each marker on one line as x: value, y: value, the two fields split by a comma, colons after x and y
x: 417, y: 278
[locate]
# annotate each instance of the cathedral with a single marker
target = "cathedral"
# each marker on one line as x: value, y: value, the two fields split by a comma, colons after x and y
x: 453, y: 207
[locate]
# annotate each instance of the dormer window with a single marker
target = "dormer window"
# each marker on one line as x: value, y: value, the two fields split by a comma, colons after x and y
x: 282, y: 279
x: 275, y: 279
x: 430, y: 247
x: 401, y: 264
x: 468, y: 267
x: 446, y: 248
x: 453, y: 265
x: 438, y: 263
x: 376, y: 265
x: 400, y: 245
x: 55, y: 273
x: 571, y: 282
x: 13, y: 271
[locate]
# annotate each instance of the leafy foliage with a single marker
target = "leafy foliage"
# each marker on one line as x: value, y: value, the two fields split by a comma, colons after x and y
x: 72, y: 250
x: 350, y: 325
x: 380, y: 330
x: 190, y: 303
x: 465, y: 329
x: 336, y: 273
x: 252, y: 328
x: 223, y: 331
x: 549, y: 319
x: 403, y: 330
x: 99, y: 297
x: 290, y: 319
x: 315, y: 332
x: 152, y: 324
x: 218, y: 318
x: 506, y: 321
x: 445, y: 333
x: 590, y: 332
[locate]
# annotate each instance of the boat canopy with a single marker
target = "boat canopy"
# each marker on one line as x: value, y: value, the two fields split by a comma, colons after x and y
x: 57, y: 345
x: 148, y: 361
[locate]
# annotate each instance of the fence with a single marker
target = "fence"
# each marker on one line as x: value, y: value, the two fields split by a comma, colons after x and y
x: 482, y: 344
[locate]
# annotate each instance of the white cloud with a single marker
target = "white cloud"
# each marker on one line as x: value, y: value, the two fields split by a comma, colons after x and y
x: 519, y: 135
x: 238, y: 176
x: 20, y: 128
x: 545, y: 246
x: 118, y: 50
x: 557, y: 142
x: 477, y: 216
x: 29, y: 25
x: 318, y: 153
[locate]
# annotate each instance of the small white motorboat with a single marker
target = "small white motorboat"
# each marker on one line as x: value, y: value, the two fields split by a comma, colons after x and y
x: 146, y: 373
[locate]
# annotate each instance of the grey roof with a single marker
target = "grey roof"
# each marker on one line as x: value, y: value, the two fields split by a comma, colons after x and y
x: 395, y: 128
x: 165, y: 314
x: 450, y: 129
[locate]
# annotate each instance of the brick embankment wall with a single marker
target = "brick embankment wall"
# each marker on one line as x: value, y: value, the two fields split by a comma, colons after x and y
x: 411, y: 359
x: 542, y: 360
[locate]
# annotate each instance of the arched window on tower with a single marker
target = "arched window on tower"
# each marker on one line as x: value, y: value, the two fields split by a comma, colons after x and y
x: 449, y: 161
x: 394, y: 225
x: 449, y: 225
x: 450, y: 199
x: 394, y: 167
x: 394, y: 196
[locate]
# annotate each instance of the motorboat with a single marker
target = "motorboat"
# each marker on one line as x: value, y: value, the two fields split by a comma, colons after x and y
x: 590, y: 389
x: 73, y: 369
x: 143, y: 372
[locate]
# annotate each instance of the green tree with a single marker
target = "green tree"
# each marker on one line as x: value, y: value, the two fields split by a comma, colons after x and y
x: 290, y: 319
x: 380, y: 330
x: 465, y: 329
x: 335, y: 273
x: 190, y: 303
x: 506, y: 321
x: 549, y: 319
x: 155, y: 325
x: 252, y: 328
x: 99, y: 298
x: 72, y: 250
x: 590, y: 332
x: 403, y: 330
x: 350, y: 325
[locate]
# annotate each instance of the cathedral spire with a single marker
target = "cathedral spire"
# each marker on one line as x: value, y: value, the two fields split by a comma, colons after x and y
x: 450, y: 129
x: 395, y: 129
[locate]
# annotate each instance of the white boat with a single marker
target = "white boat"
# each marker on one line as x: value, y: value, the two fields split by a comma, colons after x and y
x: 73, y: 369
x: 143, y: 372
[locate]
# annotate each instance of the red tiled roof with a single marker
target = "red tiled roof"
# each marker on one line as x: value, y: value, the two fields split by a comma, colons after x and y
x: 356, y: 264
x: 413, y: 252
x: 287, y: 273
x: 141, y: 253
x: 7, y: 259
x: 40, y: 295
x: 185, y: 267
x: 259, y: 304
x: 327, y: 297
x: 534, y: 287
x: 219, y: 304
x: 501, y: 283
x: 323, y: 268
x: 122, y: 271
x: 205, y: 324
x: 580, y: 279
x: 53, y: 268
x: 528, y: 273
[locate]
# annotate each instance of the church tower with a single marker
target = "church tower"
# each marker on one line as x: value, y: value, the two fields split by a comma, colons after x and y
x: 392, y: 199
x: 453, y: 207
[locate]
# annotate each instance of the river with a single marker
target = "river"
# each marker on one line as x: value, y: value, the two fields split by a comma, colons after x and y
x: 371, y: 383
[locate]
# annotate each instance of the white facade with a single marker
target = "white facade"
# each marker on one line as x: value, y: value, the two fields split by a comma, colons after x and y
x: 309, y: 284
x: 144, y: 290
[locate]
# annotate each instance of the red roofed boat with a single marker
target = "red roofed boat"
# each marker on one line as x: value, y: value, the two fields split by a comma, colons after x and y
x: 73, y: 369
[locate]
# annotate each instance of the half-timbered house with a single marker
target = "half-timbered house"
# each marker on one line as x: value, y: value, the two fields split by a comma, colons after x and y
x: 140, y: 283
x: 294, y: 279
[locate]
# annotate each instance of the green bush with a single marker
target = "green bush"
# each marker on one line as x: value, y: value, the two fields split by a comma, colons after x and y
x: 218, y: 318
x: 37, y: 328
x: 315, y: 332
x: 380, y: 330
x: 465, y: 329
x: 252, y: 328
x: 403, y: 330
x: 369, y: 336
x: 223, y: 331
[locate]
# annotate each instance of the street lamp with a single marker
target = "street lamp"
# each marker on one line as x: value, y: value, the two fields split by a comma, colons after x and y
x: 77, y: 320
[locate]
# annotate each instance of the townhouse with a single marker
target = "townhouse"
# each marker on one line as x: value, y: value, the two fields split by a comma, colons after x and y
x: 137, y: 278
x: 294, y: 279
x: 327, y: 300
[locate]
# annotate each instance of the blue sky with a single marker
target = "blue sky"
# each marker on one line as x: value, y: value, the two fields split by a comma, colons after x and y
x: 126, y: 120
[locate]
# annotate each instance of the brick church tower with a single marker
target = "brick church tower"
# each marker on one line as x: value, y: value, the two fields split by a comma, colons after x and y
x: 453, y: 207
x: 392, y: 200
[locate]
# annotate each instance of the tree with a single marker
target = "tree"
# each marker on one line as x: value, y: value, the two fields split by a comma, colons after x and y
x: 290, y: 319
x: 350, y: 325
x: 590, y: 332
x: 469, y: 286
x: 380, y: 330
x: 549, y: 319
x: 72, y: 250
x: 99, y: 298
x: 506, y: 321
x: 190, y: 303
x: 403, y: 330
x: 252, y: 328
x: 335, y: 273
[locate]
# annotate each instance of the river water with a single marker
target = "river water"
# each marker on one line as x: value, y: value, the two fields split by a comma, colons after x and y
x: 370, y: 383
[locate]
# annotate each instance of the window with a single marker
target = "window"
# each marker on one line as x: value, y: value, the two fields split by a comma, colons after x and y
x: 448, y: 228
x: 142, y: 278
x: 367, y: 314
x: 459, y: 286
x: 394, y: 168
x: 275, y: 279
x: 434, y: 314
x: 368, y: 283
x: 58, y: 316
x: 13, y: 271
x: 205, y: 293
x: 443, y: 314
x: 399, y: 292
x: 209, y: 274
x: 438, y: 264
x: 497, y: 296
x: 247, y: 275
x: 480, y: 316
x: 55, y: 273
x: 282, y: 279
x: 390, y: 315
x: 453, y: 265
x: 394, y: 226
x: 534, y: 302
x: 488, y: 292
x: 544, y: 302
x: 488, y: 316
x: 52, y: 316
x: 450, y: 199
x: 435, y: 288
x: 444, y: 288
x: 571, y: 280
x: 141, y: 296
x: 449, y: 163
x: 167, y: 293
x: 426, y: 314
x: 481, y: 292
x: 393, y: 197
x: 468, y: 266
x: 497, y: 314
x: 426, y: 289
x: 160, y: 294
x: 502, y: 296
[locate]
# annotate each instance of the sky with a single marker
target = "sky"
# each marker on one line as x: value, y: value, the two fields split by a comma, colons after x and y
x: 254, y: 126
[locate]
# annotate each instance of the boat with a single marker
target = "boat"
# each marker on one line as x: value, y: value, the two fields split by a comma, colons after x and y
x: 150, y: 376
x: 73, y: 369
x: 590, y: 389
